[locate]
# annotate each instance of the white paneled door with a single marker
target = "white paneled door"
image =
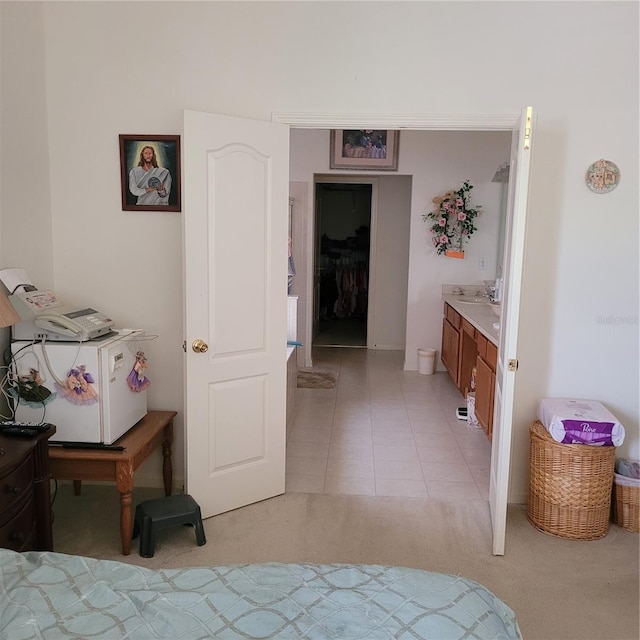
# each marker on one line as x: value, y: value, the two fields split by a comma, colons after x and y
x: 235, y: 263
x: 508, y: 352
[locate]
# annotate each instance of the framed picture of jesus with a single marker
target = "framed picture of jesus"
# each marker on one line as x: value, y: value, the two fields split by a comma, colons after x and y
x: 150, y: 172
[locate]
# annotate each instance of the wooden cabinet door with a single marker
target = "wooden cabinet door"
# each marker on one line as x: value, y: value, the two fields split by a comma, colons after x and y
x: 485, y: 378
x: 454, y: 349
x: 450, y: 349
x: 467, y: 361
x: 445, y: 356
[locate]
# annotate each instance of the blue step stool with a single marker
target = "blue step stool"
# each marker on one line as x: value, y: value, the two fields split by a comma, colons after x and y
x: 153, y: 515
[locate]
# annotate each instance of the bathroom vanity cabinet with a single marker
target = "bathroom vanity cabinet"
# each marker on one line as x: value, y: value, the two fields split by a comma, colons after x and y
x: 458, y: 352
x: 465, y: 346
x: 450, y: 351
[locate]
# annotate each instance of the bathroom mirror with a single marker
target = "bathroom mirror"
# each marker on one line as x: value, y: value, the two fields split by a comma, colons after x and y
x: 502, y: 176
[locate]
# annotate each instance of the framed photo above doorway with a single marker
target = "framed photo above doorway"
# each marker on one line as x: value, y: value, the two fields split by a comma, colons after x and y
x: 150, y: 172
x: 364, y: 149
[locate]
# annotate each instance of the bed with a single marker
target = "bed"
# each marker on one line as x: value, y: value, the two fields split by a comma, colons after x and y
x: 52, y: 595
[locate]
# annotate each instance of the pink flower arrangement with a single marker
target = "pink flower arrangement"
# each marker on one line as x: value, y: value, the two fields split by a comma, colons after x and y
x: 453, y: 218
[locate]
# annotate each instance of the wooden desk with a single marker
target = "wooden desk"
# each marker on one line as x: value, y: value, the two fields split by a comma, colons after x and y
x: 156, y: 428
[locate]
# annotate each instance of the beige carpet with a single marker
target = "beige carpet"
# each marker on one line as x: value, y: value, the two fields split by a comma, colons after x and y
x: 560, y: 589
x: 316, y: 380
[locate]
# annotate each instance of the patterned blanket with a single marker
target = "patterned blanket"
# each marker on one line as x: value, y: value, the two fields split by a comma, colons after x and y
x: 52, y: 595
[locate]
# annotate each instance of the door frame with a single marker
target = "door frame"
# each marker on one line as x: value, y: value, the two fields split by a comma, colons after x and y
x: 399, y: 121
x: 323, y: 178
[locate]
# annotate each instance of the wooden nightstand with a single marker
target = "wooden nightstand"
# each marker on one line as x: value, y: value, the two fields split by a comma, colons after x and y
x: 25, y: 498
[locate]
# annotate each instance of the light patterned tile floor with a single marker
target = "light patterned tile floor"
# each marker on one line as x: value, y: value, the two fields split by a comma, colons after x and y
x: 384, y: 431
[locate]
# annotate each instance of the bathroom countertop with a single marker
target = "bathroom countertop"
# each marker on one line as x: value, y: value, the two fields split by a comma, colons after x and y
x: 480, y: 315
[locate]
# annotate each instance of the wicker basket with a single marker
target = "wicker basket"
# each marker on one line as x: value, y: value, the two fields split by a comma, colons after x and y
x: 626, y: 506
x: 569, y: 486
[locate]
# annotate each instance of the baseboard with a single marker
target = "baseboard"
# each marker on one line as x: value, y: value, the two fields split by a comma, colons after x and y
x: 413, y: 367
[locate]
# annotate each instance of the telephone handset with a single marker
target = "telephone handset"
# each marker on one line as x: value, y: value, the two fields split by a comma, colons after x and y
x: 61, y: 324
x: 43, y: 310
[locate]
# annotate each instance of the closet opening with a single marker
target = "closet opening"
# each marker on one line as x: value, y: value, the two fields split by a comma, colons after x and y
x: 342, y: 252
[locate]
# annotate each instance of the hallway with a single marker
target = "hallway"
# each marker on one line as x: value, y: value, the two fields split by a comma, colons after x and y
x: 384, y: 432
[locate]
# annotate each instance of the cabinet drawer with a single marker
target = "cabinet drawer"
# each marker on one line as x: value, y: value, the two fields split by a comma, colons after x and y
x: 492, y: 355
x: 467, y: 327
x: 19, y: 533
x: 16, y: 483
x: 453, y: 317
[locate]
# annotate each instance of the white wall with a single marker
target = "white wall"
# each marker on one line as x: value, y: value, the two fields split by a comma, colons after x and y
x: 112, y: 67
x: 25, y: 198
x: 391, y: 263
x: 25, y: 228
x: 443, y: 160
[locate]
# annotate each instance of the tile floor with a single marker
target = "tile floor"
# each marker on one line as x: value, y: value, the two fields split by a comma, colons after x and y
x: 384, y: 432
x: 344, y: 332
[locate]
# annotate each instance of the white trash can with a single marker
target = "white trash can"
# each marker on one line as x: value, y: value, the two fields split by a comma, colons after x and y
x: 426, y: 361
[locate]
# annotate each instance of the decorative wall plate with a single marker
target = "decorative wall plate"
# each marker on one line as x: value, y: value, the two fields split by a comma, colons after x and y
x: 602, y: 176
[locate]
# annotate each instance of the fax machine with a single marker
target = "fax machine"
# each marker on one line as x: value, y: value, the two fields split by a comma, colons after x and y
x: 43, y: 316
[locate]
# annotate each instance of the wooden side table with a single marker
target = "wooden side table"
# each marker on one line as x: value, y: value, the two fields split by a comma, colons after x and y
x: 155, y: 429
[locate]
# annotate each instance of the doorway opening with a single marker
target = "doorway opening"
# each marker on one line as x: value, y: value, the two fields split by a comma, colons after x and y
x: 521, y: 127
x: 343, y: 240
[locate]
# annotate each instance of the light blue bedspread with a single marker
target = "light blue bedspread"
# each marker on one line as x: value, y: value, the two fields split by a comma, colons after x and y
x: 53, y: 595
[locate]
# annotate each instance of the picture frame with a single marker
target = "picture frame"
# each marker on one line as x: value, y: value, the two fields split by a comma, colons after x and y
x: 364, y: 149
x: 156, y: 185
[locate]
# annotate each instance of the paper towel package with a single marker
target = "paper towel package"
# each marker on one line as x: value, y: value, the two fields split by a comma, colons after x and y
x: 580, y: 422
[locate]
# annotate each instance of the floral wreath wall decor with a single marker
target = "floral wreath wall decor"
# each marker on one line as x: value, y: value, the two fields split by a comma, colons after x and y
x: 453, y: 218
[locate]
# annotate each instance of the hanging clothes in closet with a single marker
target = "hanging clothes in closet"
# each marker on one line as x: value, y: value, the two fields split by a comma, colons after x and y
x: 343, y: 283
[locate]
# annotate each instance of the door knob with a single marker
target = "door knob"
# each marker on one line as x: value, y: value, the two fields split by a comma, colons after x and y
x: 199, y: 346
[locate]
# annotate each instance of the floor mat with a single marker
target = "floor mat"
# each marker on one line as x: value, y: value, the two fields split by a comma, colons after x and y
x: 316, y: 380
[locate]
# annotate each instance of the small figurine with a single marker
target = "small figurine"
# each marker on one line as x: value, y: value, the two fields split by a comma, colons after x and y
x: 78, y: 386
x: 31, y: 390
x: 137, y: 379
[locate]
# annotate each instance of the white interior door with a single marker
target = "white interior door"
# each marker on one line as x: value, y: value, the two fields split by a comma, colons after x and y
x: 508, y: 352
x: 235, y: 265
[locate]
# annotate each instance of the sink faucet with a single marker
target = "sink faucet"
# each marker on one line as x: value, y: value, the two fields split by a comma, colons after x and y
x: 458, y: 291
x: 490, y: 289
